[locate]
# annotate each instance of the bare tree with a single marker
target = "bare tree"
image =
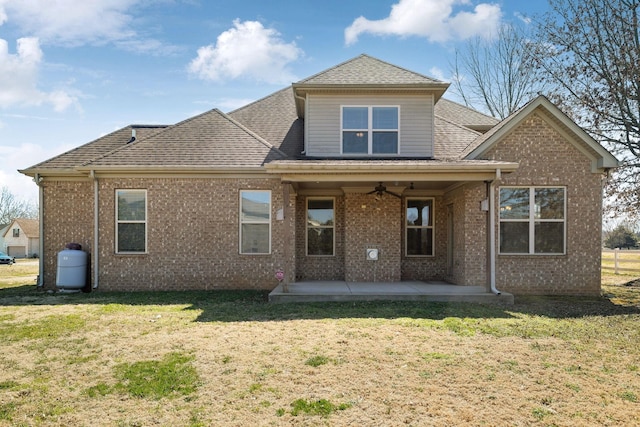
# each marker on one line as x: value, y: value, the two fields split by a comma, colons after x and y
x: 11, y: 207
x: 591, y: 52
x: 497, y: 75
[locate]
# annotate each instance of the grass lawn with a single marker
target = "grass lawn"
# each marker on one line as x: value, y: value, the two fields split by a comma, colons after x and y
x: 230, y: 358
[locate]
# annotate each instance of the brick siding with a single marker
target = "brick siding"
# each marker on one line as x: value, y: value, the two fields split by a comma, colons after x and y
x: 559, y: 164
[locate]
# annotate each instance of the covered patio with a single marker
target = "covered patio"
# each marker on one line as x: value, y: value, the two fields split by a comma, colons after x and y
x: 435, y: 291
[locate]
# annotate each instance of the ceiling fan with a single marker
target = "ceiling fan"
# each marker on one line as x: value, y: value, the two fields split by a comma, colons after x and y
x: 380, y: 189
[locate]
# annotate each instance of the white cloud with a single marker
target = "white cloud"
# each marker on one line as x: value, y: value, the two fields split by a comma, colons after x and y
x: 527, y: 20
x: 434, y: 19
x: 77, y: 23
x: 437, y: 73
x: 247, y: 50
x: 71, y: 22
x: 19, y: 78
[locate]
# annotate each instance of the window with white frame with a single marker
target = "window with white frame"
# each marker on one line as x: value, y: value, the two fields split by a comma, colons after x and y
x: 370, y: 129
x: 255, y: 222
x: 419, y: 235
x: 16, y: 232
x: 532, y: 220
x: 320, y: 227
x: 131, y: 221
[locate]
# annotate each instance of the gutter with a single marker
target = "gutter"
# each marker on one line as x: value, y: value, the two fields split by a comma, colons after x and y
x: 38, y: 180
x: 92, y: 174
x: 492, y: 232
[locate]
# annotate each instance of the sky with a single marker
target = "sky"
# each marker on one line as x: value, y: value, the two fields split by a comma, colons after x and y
x: 72, y: 71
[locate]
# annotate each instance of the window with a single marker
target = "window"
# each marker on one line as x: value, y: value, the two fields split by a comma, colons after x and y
x: 131, y: 221
x: 370, y: 130
x: 419, y: 227
x: 255, y: 222
x: 320, y: 227
x: 16, y: 232
x: 532, y: 220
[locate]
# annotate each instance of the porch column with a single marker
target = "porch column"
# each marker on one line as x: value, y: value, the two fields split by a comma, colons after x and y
x: 289, y: 226
x: 372, y: 223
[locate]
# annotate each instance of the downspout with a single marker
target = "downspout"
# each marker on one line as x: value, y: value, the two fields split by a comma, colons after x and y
x: 92, y: 174
x: 492, y: 232
x: 38, y: 180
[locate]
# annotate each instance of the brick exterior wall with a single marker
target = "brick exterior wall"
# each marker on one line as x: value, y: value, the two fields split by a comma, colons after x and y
x: 371, y: 223
x: 193, y: 230
x: 68, y: 217
x: 555, y: 162
x: 469, y: 235
x: 192, y: 234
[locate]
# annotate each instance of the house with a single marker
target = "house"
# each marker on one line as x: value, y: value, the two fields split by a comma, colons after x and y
x: 22, y: 238
x: 361, y: 173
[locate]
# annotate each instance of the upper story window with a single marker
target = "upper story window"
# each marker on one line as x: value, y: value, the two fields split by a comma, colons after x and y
x: 532, y: 220
x: 16, y: 232
x: 131, y: 221
x: 255, y: 222
x: 370, y: 130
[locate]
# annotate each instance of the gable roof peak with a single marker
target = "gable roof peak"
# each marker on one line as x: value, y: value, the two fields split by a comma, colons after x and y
x: 366, y: 73
x: 367, y: 70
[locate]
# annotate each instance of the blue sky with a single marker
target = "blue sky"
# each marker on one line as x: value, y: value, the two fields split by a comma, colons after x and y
x: 72, y: 71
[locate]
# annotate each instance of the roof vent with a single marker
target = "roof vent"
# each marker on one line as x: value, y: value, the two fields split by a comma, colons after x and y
x: 133, y: 136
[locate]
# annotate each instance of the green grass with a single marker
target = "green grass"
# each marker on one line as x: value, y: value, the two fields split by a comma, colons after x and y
x: 316, y: 361
x: 321, y: 407
x: 230, y: 358
x: 172, y: 376
x: 49, y: 327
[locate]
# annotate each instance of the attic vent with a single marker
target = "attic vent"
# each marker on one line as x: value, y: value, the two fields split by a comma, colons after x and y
x: 133, y: 136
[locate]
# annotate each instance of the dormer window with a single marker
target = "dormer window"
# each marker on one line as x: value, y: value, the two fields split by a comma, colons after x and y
x: 370, y: 130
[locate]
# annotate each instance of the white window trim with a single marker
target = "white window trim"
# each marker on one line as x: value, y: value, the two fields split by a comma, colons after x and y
x: 241, y: 222
x: 370, y: 130
x: 145, y: 221
x: 307, y: 227
x: 531, y: 220
x: 432, y: 227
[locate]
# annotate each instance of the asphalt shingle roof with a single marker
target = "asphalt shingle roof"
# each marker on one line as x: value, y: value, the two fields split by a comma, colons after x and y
x: 465, y: 116
x: 30, y: 227
x: 366, y: 70
x: 274, y: 118
x: 211, y: 139
x: 94, y: 149
x: 262, y: 131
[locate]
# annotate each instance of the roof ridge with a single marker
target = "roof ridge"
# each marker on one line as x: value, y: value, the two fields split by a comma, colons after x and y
x: 253, y: 134
x: 78, y: 147
x: 258, y: 100
x: 457, y: 124
x: 183, y: 122
x: 364, y: 55
x: 469, y: 108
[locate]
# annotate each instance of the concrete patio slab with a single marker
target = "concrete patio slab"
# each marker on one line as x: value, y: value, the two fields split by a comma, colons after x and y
x: 368, y: 291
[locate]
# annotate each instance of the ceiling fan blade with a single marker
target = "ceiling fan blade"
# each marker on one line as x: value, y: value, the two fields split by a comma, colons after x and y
x: 372, y: 191
x: 393, y: 194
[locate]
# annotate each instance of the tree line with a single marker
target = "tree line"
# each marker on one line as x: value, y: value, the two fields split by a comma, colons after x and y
x: 12, y: 207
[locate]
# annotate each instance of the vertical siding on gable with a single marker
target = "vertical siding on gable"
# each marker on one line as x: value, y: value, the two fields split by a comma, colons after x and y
x: 322, y: 122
